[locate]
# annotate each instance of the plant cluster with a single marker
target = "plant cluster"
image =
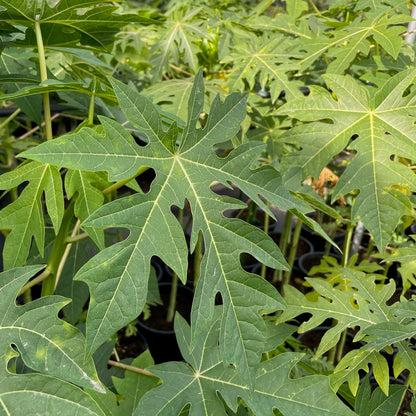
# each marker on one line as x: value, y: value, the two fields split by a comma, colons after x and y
x: 129, y: 134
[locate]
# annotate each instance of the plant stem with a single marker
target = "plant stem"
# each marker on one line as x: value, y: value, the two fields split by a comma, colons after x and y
x: 292, y: 255
x: 28, y: 133
x: 35, y: 281
x: 370, y: 247
x: 347, y: 244
x: 407, y: 383
x: 58, y: 250
x: 43, y: 77
x: 172, y: 298
x: 266, y: 230
x: 92, y: 103
x: 197, y: 260
x: 76, y: 238
x: 130, y: 368
x: 283, y: 243
x: 121, y: 183
x: 66, y: 253
x: 316, y: 10
x: 340, y: 347
x: 10, y: 118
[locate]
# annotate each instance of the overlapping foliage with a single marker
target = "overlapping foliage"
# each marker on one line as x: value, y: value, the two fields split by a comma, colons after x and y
x: 287, y: 89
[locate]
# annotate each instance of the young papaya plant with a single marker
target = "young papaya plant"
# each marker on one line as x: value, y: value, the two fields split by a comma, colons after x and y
x: 158, y: 120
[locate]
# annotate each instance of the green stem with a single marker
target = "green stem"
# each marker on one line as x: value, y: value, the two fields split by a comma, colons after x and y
x: 27, y: 296
x: 370, y: 247
x: 35, y: 281
x: 10, y: 118
x: 292, y: 255
x: 92, y: 103
x: 130, y: 368
x: 197, y: 260
x: 266, y: 230
x: 172, y: 298
x: 66, y: 253
x: 58, y: 250
x: 119, y: 184
x: 347, y: 244
x: 331, y: 354
x: 43, y: 77
x: 316, y: 10
x: 76, y: 238
x: 340, y: 347
x: 283, y: 243
x: 407, y: 384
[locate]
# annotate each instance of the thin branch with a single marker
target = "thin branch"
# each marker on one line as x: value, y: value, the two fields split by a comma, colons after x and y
x: 66, y: 252
x: 23, y: 136
x: 130, y: 368
x: 46, y: 273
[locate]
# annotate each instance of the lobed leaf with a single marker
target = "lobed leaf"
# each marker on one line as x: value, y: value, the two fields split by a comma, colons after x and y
x: 382, y: 123
x: 46, y: 344
x: 204, y: 380
x: 24, y: 217
x: 186, y: 165
x: 90, y: 22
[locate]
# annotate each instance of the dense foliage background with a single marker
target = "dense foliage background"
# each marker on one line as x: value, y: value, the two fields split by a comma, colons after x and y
x: 135, y: 138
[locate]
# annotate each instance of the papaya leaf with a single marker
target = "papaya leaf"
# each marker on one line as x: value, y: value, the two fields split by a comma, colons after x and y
x: 265, y: 61
x: 359, y: 304
x: 87, y: 21
x: 376, y: 403
x: 382, y: 123
x: 347, y: 370
x: 46, y: 344
x: 179, y: 38
x: 52, y: 85
x: 173, y: 95
x: 117, y: 276
x: 88, y: 187
x: 378, y: 27
x: 15, y: 70
x: 203, y: 379
x: 31, y: 394
x: 24, y: 217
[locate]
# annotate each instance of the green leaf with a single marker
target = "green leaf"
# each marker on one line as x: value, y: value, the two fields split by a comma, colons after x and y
x: 32, y: 394
x: 342, y: 45
x: 186, y: 173
x: 376, y: 403
x: 46, y: 344
x: 264, y: 61
x: 173, y: 95
x: 199, y: 381
x: 347, y: 370
x: 363, y: 307
x: 296, y: 7
x: 24, y: 217
x: 383, y: 121
x: 52, y: 85
x: 178, y: 41
x: 88, y: 187
x: 89, y: 21
x: 15, y: 67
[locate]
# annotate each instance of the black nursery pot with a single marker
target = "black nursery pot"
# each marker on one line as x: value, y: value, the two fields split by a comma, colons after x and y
x: 159, y: 334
